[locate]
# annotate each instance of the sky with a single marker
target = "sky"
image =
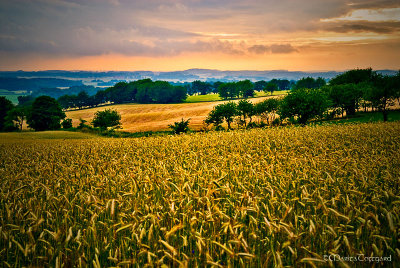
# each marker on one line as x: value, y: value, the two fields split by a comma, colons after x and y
x: 169, y: 35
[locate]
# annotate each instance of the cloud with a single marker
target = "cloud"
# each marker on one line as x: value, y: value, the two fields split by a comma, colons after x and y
x: 162, y: 28
x: 274, y: 49
x: 364, y: 26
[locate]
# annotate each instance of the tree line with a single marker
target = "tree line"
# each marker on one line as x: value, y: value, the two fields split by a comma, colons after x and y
x: 312, y: 99
x: 231, y: 90
x: 140, y: 91
x: 308, y: 99
x: 147, y: 91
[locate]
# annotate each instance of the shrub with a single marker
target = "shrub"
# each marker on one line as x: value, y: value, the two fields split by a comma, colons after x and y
x: 107, y: 118
x: 67, y: 123
x: 180, y: 127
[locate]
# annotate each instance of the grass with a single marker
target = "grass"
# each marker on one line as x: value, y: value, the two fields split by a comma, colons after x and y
x: 364, y: 117
x: 263, y: 197
x: 203, y: 98
x: 32, y: 135
x: 216, y: 97
x: 275, y: 93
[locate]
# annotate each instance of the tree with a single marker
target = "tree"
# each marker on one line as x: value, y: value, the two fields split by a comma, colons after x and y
x: 271, y: 87
x: 25, y: 100
x: 382, y: 93
x: 83, y: 99
x: 17, y: 115
x: 107, y: 118
x: 67, y: 101
x: 215, y: 86
x: 245, y: 109
x: 45, y: 114
x: 180, y: 127
x: 224, y: 90
x: 260, y: 85
x: 345, y: 96
x: 201, y: 87
x: 222, y: 112
x: 267, y: 109
x: 67, y: 123
x: 5, y: 106
x: 245, y: 88
x: 355, y: 76
x: 304, y: 104
x: 309, y: 82
x: 283, y: 84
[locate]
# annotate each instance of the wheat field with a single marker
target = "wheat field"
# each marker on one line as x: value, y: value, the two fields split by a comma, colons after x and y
x: 154, y: 117
x: 263, y: 197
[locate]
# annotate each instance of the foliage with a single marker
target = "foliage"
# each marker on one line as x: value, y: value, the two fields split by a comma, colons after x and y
x: 141, y: 91
x: 201, y: 87
x: 260, y: 85
x: 245, y: 88
x: 304, y: 104
x: 267, y: 109
x: 227, y: 90
x: 25, y: 100
x: 67, y: 123
x: 45, y: 114
x: 82, y: 123
x: 346, y: 97
x: 5, y: 106
x: 355, y: 76
x: 280, y: 197
x: 271, y: 87
x: 17, y: 116
x: 180, y: 127
x: 222, y: 112
x: 383, y: 92
x: 107, y: 118
x: 309, y: 82
x: 245, y: 109
x: 283, y: 84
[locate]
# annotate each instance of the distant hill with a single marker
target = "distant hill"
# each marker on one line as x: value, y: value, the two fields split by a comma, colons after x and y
x: 33, y: 84
x: 73, y: 78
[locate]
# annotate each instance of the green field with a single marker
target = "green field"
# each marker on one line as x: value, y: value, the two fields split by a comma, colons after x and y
x: 363, y: 117
x: 32, y: 135
x: 283, y: 196
x: 215, y: 97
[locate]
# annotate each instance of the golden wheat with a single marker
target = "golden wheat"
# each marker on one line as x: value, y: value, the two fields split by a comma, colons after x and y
x: 275, y: 197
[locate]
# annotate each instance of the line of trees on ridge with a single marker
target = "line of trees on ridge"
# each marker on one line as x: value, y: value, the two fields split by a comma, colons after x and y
x: 312, y: 99
x: 140, y: 91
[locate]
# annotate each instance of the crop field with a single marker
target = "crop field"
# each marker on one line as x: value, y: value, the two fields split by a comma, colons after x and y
x: 154, y: 117
x: 216, y: 97
x: 273, y: 197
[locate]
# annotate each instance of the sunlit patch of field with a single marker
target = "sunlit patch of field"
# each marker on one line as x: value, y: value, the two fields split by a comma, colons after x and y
x: 154, y: 117
x: 32, y: 135
x: 216, y: 97
x: 257, y: 198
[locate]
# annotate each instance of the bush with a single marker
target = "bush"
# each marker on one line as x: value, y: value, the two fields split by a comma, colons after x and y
x: 304, y: 104
x: 82, y: 123
x: 67, y: 123
x: 107, y: 118
x: 180, y: 127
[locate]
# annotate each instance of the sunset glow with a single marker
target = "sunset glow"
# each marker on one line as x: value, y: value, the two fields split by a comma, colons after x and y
x: 175, y: 35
